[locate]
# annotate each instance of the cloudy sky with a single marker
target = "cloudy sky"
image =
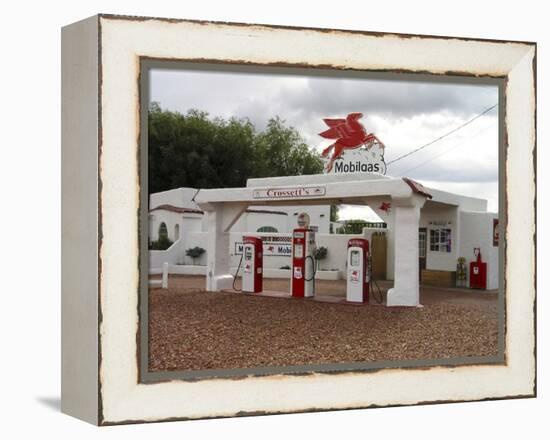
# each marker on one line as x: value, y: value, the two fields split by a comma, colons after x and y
x: 404, y: 115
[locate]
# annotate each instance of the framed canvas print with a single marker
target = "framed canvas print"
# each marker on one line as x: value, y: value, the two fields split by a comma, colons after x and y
x: 262, y: 219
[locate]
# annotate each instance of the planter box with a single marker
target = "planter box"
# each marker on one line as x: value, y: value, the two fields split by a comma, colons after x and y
x: 438, y: 278
x: 328, y: 275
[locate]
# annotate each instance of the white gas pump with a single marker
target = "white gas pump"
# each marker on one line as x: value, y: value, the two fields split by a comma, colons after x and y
x: 303, y: 259
x: 358, y: 272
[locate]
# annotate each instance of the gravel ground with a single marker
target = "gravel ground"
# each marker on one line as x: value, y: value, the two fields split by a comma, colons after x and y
x: 190, y: 329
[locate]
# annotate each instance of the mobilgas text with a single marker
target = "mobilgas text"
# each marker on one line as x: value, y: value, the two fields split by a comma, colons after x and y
x: 357, y: 167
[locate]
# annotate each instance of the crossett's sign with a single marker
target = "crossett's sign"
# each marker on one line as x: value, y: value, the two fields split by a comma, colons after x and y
x: 298, y: 192
x: 354, y: 150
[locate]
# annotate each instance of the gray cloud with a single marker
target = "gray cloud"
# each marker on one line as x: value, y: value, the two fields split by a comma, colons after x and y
x: 393, y: 99
x: 260, y: 97
x: 406, y: 114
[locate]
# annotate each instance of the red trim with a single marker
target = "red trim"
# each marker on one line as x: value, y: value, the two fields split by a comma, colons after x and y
x: 265, y: 211
x: 417, y: 188
x: 177, y: 209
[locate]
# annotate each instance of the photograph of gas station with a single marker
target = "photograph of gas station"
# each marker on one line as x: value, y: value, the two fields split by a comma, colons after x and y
x: 299, y: 219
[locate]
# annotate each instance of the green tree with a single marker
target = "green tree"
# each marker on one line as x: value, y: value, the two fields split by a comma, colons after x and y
x: 356, y: 226
x: 196, y: 151
x: 334, y: 212
x: 352, y: 227
x: 281, y: 151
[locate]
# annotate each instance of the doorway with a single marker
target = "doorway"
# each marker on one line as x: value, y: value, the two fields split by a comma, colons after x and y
x: 422, y: 245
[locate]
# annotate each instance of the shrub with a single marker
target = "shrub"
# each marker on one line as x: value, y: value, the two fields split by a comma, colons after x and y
x: 161, y: 244
x: 320, y: 254
x: 195, y: 252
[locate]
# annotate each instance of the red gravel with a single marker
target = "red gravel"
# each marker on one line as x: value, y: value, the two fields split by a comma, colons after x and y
x: 190, y: 329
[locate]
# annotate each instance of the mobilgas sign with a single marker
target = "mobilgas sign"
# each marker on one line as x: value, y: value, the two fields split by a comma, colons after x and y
x: 353, y: 149
x: 273, y: 246
x: 290, y: 193
x: 361, y: 160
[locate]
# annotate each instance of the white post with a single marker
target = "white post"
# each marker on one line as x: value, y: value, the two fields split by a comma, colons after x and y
x: 389, y: 219
x: 406, y: 289
x: 219, y: 221
x: 165, y: 275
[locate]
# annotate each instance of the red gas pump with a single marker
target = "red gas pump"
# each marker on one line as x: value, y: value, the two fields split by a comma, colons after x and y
x: 303, y: 259
x: 478, y: 272
x: 359, y: 274
x: 252, y: 265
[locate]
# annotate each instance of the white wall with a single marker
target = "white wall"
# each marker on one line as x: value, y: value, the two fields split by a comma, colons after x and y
x: 170, y: 256
x: 249, y: 222
x: 468, y: 230
x: 171, y: 219
x: 186, y: 222
x: 319, y: 216
x: 191, y: 240
x: 440, y: 214
x: 336, y: 256
x: 464, y: 202
x: 180, y: 197
x: 252, y: 221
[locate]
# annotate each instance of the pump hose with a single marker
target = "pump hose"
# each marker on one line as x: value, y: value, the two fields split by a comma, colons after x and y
x: 314, y: 269
x: 236, y: 273
x: 380, y: 298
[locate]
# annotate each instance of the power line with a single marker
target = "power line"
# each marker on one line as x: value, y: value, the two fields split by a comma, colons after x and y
x: 446, y: 151
x: 445, y: 135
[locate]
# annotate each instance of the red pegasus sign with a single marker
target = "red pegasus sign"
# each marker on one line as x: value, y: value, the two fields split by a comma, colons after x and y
x: 349, y: 134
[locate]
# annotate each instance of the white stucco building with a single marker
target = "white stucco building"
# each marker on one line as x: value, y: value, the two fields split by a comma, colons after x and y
x: 177, y: 209
x: 427, y: 229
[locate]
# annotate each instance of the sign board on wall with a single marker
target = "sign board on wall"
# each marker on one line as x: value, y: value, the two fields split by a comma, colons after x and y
x: 273, y: 246
x: 298, y: 192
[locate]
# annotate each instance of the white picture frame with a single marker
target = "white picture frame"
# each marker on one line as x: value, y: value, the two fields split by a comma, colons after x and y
x: 101, y: 59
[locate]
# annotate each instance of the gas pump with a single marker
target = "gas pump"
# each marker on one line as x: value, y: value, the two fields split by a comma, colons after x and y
x: 253, y: 264
x: 359, y: 271
x: 478, y: 272
x: 303, y: 259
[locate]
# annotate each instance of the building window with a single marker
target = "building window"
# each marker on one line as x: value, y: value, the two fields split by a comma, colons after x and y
x: 163, y: 231
x: 177, y: 232
x: 440, y: 240
x: 267, y: 229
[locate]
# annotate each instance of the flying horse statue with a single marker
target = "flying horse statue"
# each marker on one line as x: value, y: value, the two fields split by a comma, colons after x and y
x: 350, y: 135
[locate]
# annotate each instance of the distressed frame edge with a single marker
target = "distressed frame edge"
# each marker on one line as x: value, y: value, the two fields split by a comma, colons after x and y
x: 146, y: 64
x: 143, y: 18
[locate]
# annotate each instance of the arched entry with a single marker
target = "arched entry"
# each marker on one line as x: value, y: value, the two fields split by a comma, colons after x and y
x: 163, y: 231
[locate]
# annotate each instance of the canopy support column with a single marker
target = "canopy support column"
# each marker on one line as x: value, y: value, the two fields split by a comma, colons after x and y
x: 406, y: 289
x: 220, y: 218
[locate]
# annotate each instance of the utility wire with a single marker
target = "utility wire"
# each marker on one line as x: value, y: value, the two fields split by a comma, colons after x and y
x: 443, y: 136
x: 446, y: 151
